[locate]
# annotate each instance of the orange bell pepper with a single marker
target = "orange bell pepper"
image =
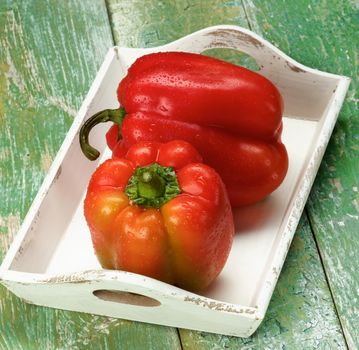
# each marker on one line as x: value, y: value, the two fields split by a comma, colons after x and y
x: 162, y: 213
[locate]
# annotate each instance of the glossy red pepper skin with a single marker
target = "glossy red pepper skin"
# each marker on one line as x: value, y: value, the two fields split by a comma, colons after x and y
x: 186, y: 241
x: 202, y: 90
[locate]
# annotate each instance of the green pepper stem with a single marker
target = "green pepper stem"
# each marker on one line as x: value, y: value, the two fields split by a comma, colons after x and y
x: 107, y: 115
x: 152, y: 186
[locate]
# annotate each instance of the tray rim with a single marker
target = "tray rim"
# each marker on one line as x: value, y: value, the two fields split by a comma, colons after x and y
x: 8, y: 276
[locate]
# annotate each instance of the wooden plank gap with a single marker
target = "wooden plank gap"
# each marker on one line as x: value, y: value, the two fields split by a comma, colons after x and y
x: 327, y: 279
x: 246, y: 14
x: 107, y: 7
x: 180, y: 339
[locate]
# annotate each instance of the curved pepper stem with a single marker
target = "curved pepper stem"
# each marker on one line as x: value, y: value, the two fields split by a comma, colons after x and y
x: 107, y: 115
x: 152, y: 186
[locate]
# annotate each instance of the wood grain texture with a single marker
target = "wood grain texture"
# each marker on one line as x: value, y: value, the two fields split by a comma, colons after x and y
x: 49, y: 56
x: 324, y: 35
x: 30, y: 327
x: 146, y: 23
x: 50, y: 53
x: 301, y: 314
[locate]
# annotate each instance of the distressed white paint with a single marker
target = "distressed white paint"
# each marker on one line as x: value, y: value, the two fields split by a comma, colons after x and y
x: 51, y: 261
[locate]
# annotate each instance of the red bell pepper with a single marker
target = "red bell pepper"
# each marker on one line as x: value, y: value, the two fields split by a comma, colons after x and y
x: 162, y: 213
x: 233, y: 116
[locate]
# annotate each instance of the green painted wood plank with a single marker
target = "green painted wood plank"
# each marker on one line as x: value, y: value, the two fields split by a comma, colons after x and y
x: 50, y: 52
x: 139, y: 23
x: 301, y: 312
x: 324, y: 35
x: 29, y: 327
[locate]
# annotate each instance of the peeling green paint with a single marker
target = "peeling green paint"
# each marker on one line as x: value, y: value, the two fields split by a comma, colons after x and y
x: 4, y: 68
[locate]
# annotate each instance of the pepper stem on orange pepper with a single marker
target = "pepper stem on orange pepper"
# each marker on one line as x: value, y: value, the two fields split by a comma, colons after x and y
x: 107, y: 115
x: 152, y: 186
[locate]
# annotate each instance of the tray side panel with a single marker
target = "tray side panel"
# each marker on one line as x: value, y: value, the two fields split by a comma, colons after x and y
x: 187, y: 313
x: 63, y: 187
x: 302, y: 190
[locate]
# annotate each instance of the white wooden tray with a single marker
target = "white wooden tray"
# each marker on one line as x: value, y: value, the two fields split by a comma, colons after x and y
x: 51, y: 261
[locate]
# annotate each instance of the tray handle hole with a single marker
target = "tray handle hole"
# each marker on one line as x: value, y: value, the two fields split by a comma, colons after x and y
x: 125, y: 298
x: 233, y: 56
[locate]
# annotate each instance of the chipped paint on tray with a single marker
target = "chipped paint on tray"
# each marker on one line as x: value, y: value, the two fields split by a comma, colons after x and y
x: 219, y: 306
